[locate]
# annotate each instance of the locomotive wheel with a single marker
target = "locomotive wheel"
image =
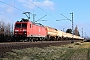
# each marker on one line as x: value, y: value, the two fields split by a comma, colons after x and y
x: 48, y: 38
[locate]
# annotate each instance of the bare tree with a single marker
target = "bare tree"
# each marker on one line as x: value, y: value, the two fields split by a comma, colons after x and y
x: 7, y: 29
x: 2, y: 27
x: 76, y: 32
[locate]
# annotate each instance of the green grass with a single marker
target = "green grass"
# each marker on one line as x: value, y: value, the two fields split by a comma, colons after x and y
x: 64, y: 52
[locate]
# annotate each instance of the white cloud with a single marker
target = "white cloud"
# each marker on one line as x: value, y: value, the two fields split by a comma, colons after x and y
x: 31, y: 4
x: 49, y: 4
x: 7, y: 8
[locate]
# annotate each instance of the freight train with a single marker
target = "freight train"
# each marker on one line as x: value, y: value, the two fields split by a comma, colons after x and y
x: 26, y: 30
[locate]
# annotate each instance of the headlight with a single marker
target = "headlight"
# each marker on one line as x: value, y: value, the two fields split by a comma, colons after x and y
x: 24, y: 30
x: 16, y: 30
x: 15, y: 33
x: 25, y: 33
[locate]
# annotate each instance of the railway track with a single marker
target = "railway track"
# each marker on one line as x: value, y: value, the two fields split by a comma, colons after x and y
x: 7, y: 47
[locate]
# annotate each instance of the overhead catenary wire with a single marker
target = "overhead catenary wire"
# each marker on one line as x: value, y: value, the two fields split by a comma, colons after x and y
x: 12, y: 6
x: 40, y: 8
x: 31, y: 3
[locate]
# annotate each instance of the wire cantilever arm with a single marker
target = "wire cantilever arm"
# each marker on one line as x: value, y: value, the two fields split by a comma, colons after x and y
x: 66, y: 17
x: 40, y: 18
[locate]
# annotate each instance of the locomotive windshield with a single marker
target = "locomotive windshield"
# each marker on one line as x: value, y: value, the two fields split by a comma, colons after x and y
x: 21, y: 25
x: 24, y: 25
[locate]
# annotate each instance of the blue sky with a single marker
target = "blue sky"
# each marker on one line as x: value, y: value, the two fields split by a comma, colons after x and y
x: 53, y: 9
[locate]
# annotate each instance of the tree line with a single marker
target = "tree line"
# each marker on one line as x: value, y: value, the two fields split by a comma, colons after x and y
x: 7, y: 29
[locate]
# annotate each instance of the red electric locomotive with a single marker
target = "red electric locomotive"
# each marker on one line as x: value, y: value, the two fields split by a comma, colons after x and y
x: 29, y: 31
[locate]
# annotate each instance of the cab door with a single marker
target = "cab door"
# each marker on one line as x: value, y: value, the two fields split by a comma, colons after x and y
x: 29, y: 30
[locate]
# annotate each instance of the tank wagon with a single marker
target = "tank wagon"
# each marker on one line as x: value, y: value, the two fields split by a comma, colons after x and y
x: 51, y: 33
x: 29, y: 31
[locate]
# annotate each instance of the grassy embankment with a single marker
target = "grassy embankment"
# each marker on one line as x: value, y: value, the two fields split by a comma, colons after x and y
x: 76, y: 51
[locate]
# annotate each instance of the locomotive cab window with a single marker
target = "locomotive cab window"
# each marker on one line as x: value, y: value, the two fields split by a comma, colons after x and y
x: 24, y: 25
x: 18, y: 26
x: 21, y: 25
